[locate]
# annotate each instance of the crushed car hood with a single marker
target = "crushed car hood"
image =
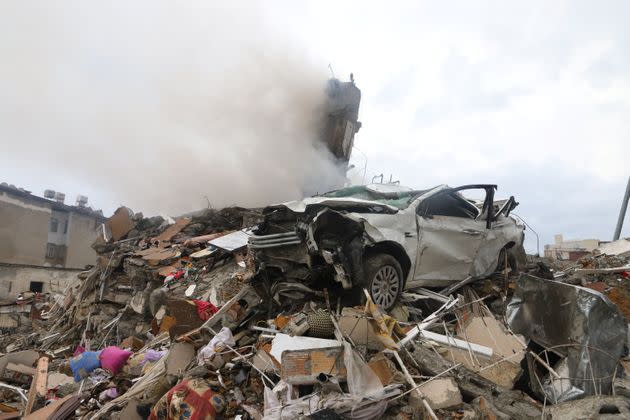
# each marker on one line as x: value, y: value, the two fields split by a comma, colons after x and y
x: 300, y: 206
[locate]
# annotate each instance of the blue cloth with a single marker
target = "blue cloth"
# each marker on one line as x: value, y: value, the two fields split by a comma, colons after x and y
x: 84, y: 363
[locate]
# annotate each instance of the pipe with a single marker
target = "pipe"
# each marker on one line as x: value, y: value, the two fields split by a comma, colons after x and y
x: 274, y: 241
x: 275, y: 245
x: 622, y: 212
x: 272, y: 236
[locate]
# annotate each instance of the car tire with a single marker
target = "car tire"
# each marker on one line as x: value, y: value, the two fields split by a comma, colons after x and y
x: 383, y: 280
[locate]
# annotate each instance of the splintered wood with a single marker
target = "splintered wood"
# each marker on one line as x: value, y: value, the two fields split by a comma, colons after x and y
x: 38, y: 385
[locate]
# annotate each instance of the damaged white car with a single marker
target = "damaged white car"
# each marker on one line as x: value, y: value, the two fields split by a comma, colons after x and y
x: 384, y: 237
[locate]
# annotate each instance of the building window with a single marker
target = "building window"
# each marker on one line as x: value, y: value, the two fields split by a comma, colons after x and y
x: 50, y: 251
x: 54, y: 224
x: 37, y: 287
x: 65, y: 227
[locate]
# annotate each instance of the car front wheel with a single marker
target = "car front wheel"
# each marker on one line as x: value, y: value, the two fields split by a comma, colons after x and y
x: 383, y: 280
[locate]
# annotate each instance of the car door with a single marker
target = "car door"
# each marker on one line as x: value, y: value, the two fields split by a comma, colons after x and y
x: 451, y: 230
x: 503, y: 231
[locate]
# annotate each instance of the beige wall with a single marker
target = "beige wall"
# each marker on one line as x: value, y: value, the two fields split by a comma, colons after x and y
x: 15, y: 279
x: 585, y: 244
x: 81, y: 235
x: 23, y: 230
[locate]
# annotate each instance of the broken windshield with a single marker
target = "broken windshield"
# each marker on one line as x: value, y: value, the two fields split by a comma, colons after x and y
x: 399, y: 199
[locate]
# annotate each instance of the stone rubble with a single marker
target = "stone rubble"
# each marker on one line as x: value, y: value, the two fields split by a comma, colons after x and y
x: 169, y: 322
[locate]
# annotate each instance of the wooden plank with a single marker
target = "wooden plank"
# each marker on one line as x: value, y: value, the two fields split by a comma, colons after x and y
x: 47, y: 411
x: 4, y: 408
x: 38, y: 385
x: 41, y: 376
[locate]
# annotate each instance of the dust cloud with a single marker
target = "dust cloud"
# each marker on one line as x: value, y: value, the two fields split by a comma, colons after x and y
x: 163, y: 107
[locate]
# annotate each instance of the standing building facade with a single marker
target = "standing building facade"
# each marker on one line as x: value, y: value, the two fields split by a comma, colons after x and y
x: 43, y: 235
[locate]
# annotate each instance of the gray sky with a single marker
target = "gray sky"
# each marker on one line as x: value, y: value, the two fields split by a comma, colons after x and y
x: 533, y: 96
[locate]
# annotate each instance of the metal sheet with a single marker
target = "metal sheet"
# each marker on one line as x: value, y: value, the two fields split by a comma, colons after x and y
x: 578, y: 323
x: 232, y: 241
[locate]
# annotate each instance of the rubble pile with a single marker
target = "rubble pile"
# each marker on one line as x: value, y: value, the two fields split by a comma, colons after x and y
x: 172, y: 322
x: 607, y: 271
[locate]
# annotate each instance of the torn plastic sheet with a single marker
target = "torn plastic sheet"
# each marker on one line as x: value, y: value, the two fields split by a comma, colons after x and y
x: 362, y: 381
x: 366, y: 399
x: 350, y: 407
x: 279, y: 406
x: 574, y: 322
x: 218, y: 343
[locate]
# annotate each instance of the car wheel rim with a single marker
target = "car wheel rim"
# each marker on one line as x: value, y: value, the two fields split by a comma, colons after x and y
x: 385, y: 286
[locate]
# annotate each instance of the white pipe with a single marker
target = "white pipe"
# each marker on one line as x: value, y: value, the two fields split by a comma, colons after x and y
x: 428, y: 321
x: 457, y: 343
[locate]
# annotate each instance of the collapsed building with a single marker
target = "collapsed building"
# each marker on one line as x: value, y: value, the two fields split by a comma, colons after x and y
x: 336, y: 131
x: 342, y: 118
x: 170, y: 321
x: 365, y: 302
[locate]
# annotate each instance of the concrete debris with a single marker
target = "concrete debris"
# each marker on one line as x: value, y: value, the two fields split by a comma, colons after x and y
x: 268, y: 315
x: 119, y: 225
x: 601, y: 407
x: 168, y: 234
x: 504, y: 366
x: 355, y: 324
x: 618, y: 247
x: 441, y: 393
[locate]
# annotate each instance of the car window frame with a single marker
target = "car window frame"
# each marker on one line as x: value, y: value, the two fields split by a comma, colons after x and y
x: 458, y: 197
x: 488, y: 202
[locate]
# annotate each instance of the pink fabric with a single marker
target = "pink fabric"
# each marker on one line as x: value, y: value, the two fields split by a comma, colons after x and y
x: 80, y: 349
x: 114, y: 358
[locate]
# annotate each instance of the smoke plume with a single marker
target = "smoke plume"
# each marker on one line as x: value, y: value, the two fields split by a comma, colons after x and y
x: 163, y: 107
